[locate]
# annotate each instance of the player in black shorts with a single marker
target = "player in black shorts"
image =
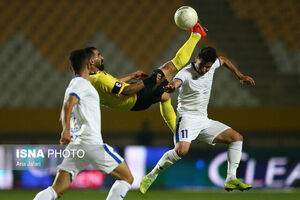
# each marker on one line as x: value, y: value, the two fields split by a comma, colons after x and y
x: 117, y: 94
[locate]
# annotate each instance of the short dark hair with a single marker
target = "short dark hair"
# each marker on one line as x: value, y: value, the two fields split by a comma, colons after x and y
x: 78, y: 58
x: 208, y: 54
x: 91, y: 48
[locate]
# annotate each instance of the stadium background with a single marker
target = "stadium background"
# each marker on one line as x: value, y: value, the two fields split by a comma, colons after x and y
x: 260, y: 37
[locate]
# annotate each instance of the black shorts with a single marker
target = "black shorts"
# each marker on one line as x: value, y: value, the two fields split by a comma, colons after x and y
x: 151, y: 93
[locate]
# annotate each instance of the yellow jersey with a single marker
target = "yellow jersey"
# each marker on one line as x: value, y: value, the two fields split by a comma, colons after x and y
x: 110, y: 89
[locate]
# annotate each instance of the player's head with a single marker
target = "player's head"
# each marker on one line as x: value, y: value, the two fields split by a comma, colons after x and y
x: 98, y: 60
x: 80, y: 60
x: 205, y: 59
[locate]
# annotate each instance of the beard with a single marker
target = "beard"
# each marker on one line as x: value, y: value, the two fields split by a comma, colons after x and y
x: 100, y: 67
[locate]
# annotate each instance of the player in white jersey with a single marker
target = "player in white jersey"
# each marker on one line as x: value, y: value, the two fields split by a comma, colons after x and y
x: 194, y: 83
x: 81, y: 121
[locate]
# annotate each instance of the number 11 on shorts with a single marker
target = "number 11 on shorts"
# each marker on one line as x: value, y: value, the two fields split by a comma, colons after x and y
x: 184, y: 133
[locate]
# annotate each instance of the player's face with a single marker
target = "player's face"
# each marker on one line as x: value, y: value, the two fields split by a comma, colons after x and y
x: 202, y: 66
x: 98, y: 60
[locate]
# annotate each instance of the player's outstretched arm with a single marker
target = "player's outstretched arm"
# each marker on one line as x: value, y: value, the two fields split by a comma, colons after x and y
x: 172, y: 86
x: 244, y: 80
x: 138, y: 75
x: 134, y: 88
x: 65, y: 119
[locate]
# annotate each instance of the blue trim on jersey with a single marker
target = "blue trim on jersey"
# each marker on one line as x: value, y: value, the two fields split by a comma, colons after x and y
x: 112, y: 155
x: 180, y: 80
x: 76, y: 76
x: 177, y: 129
x: 219, y: 61
x: 76, y: 95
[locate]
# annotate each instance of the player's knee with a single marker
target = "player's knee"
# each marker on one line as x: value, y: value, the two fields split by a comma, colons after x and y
x: 182, y: 151
x: 165, y: 97
x: 168, y: 69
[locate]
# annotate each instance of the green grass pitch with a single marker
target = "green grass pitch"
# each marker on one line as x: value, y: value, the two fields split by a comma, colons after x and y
x: 165, y: 195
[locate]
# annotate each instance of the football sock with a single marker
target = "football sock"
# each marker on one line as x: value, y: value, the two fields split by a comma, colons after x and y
x: 234, y: 157
x: 168, y: 159
x: 168, y: 113
x: 184, y: 54
x: 118, y: 190
x: 47, y: 194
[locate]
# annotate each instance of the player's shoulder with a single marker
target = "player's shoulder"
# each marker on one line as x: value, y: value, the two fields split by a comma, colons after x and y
x: 185, y: 71
x: 188, y: 68
x: 217, y: 62
x: 101, y: 75
x: 78, y: 81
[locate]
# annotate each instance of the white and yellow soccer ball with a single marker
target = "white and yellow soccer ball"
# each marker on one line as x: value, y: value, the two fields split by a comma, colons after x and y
x: 185, y: 17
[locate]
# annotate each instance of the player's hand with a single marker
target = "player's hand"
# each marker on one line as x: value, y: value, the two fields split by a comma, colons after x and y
x: 139, y: 75
x: 247, y: 80
x: 169, y: 88
x: 65, y: 137
x: 158, y: 77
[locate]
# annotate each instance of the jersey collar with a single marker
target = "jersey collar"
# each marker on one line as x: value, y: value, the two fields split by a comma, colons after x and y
x: 194, y: 67
x: 76, y: 76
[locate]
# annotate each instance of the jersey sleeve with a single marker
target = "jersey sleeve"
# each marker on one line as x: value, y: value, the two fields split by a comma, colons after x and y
x: 181, y: 75
x: 79, y: 89
x: 107, y: 83
x: 217, y: 63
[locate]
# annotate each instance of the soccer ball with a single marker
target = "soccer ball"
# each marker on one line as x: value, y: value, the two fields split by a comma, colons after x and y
x: 185, y: 17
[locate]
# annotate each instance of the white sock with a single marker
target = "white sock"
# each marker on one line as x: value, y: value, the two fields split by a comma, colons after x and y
x: 233, y: 159
x: 47, y: 194
x: 168, y: 159
x: 118, y: 190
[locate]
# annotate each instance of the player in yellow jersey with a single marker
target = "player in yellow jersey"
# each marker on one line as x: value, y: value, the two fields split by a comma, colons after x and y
x: 117, y: 94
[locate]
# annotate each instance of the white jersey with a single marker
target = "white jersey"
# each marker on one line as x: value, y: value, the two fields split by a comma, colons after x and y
x: 85, y: 123
x: 194, y: 92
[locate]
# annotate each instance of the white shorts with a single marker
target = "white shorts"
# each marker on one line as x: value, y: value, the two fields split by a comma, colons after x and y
x: 191, y: 127
x: 102, y: 157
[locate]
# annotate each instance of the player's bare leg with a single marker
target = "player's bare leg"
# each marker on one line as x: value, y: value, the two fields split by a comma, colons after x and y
x: 182, y: 148
x: 122, y: 172
x: 62, y: 182
x: 168, y: 69
x: 235, y: 142
x: 122, y: 184
x: 60, y: 185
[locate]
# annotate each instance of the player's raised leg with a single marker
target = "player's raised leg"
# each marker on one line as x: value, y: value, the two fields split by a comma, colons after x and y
x: 184, y: 54
x: 235, y: 144
x: 168, y: 159
x: 60, y: 185
x: 180, y: 60
x: 122, y: 184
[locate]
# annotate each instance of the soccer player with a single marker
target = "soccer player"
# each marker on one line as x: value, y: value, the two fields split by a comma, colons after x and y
x: 81, y: 123
x: 194, y: 83
x: 117, y: 94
